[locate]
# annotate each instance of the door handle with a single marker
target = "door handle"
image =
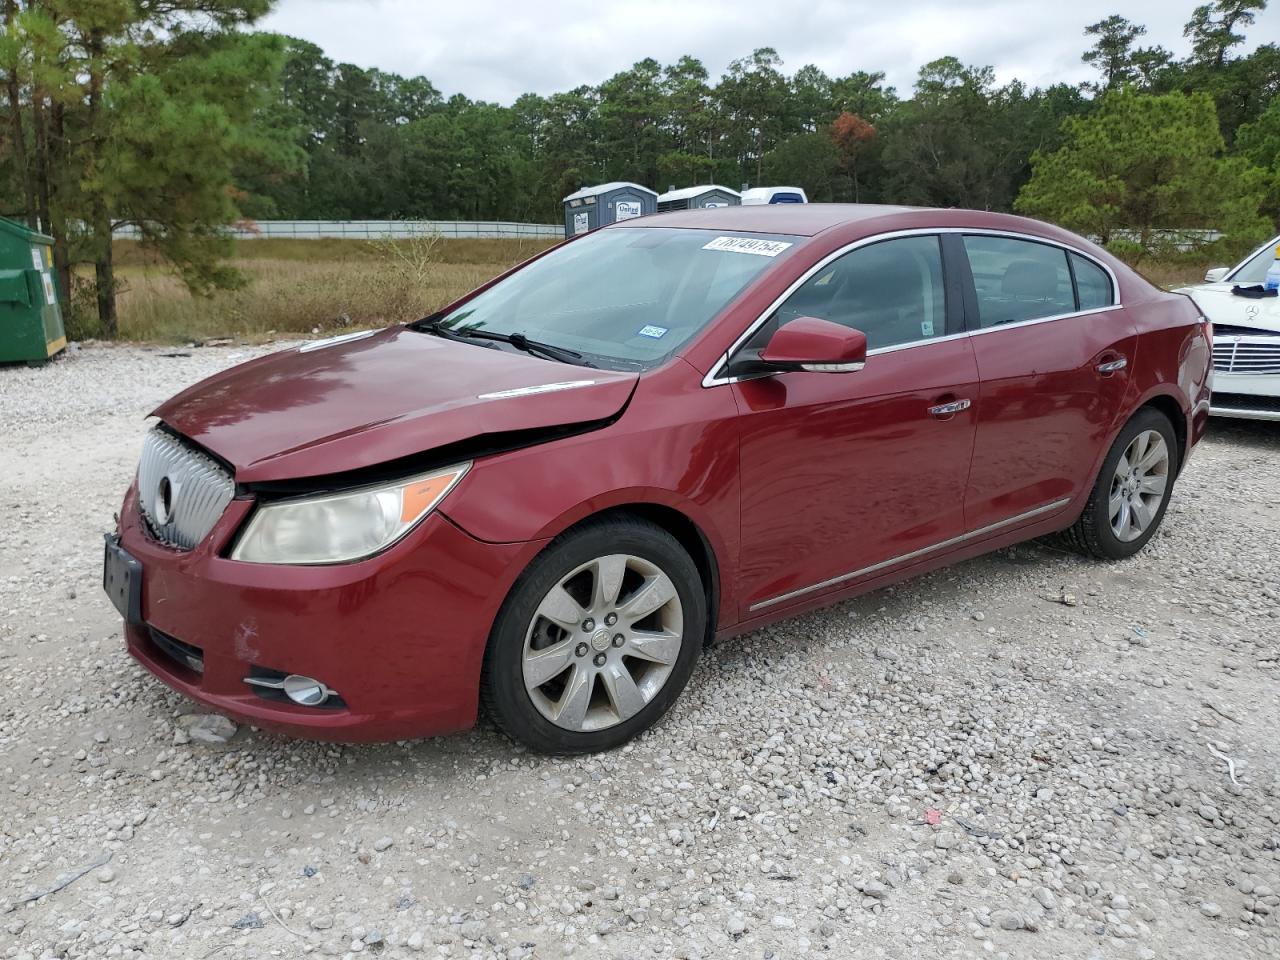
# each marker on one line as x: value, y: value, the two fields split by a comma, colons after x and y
x: 949, y: 409
x: 1112, y: 366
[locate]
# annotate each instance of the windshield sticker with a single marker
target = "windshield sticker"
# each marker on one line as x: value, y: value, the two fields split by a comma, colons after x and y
x: 761, y: 248
x: 652, y: 331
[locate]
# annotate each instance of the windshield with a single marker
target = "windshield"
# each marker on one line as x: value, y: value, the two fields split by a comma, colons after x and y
x: 1254, y: 270
x: 624, y: 297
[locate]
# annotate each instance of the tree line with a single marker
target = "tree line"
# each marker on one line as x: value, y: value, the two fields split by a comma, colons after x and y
x: 172, y: 115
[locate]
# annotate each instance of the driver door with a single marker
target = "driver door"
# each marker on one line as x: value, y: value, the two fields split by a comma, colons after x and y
x: 848, y: 475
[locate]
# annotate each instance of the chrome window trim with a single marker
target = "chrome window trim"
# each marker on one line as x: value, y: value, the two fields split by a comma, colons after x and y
x: 1034, y: 320
x: 713, y: 379
x: 914, y: 554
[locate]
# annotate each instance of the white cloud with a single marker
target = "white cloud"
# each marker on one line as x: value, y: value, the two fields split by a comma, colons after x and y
x: 498, y: 49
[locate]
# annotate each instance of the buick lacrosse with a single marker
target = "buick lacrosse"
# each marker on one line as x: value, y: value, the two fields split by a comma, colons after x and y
x: 548, y: 497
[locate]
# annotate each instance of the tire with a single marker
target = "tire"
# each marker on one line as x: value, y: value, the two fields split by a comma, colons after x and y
x: 1098, y: 532
x: 558, y: 683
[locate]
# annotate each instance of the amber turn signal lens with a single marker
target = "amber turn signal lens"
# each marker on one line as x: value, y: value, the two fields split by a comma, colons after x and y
x: 420, y: 496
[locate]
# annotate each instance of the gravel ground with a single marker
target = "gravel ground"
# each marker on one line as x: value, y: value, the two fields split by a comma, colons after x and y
x: 1024, y: 755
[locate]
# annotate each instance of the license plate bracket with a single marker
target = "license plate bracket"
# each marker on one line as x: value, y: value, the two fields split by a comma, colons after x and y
x: 122, y: 579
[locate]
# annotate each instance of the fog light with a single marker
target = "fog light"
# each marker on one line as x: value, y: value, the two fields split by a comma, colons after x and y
x: 304, y: 691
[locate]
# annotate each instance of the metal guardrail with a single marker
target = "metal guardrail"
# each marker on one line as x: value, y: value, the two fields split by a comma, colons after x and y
x: 498, y: 229
x: 379, y: 229
x: 1181, y: 240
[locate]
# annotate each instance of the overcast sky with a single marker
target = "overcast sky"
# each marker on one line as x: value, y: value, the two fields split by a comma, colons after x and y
x: 498, y: 49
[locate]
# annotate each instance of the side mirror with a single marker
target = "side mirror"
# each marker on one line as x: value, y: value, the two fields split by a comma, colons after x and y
x: 1216, y: 275
x: 819, y: 346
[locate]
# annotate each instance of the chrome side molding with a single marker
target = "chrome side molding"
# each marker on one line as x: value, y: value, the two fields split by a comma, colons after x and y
x: 914, y: 554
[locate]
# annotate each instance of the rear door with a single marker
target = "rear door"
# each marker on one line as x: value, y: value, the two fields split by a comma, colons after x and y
x: 844, y: 475
x: 1054, y: 353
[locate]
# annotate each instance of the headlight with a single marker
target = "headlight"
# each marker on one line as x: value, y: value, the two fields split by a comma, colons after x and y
x: 341, y: 527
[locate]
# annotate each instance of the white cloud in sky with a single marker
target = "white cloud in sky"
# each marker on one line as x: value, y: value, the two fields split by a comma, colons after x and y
x: 498, y: 49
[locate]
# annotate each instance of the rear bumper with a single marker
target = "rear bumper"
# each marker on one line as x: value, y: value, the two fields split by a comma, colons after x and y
x: 400, y: 637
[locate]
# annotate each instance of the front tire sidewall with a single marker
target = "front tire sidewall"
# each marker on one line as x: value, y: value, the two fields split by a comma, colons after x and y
x: 1106, y: 542
x: 502, y: 684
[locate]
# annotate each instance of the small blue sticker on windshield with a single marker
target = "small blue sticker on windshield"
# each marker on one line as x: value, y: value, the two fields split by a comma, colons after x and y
x: 652, y: 331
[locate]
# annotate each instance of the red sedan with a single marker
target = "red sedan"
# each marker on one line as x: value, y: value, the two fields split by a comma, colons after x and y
x: 549, y: 496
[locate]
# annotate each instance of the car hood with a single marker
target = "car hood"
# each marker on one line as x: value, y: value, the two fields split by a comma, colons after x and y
x: 1221, y: 306
x: 335, y: 406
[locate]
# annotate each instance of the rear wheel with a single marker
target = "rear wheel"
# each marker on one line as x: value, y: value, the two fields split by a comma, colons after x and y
x: 596, y: 640
x: 1132, y: 491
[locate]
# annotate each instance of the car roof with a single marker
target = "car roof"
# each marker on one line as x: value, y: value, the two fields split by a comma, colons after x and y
x: 599, y: 188
x: 811, y: 219
x: 755, y: 192
x: 684, y: 193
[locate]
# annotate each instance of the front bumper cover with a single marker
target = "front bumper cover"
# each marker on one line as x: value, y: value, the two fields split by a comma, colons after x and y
x: 1246, y: 396
x: 400, y: 635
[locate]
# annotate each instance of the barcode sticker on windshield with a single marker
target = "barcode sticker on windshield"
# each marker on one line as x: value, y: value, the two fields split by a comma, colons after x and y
x: 761, y: 248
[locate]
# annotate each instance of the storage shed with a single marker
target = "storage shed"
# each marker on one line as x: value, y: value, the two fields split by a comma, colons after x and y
x: 604, y: 204
x: 691, y: 198
x: 762, y: 195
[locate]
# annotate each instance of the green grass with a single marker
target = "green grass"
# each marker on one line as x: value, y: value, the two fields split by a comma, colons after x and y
x: 297, y: 287
x: 1171, y: 275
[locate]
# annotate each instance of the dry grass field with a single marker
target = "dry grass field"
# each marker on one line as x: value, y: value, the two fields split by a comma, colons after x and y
x: 300, y: 286
x: 307, y: 286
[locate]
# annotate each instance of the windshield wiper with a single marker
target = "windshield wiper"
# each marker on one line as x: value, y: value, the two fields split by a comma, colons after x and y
x: 536, y: 347
x: 432, y: 325
x: 548, y: 351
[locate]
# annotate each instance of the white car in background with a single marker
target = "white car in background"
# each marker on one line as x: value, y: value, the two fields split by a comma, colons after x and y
x: 1246, y: 338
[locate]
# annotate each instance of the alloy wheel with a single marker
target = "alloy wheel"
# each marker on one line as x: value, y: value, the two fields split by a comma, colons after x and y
x: 603, y: 642
x: 1138, y: 485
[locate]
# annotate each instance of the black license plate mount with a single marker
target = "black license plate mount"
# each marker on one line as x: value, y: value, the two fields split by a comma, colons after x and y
x: 122, y: 579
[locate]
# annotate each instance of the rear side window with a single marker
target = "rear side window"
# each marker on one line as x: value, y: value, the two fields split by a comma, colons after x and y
x: 1093, y: 286
x: 1018, y: 280
x: 891, y: 290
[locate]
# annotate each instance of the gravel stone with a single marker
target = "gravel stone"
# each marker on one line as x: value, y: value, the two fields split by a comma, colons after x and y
x: 782, y: 808
x: 208, y: 727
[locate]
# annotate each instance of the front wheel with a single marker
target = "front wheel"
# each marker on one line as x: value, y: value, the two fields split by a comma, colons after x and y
x: 596, y: 640
x: 1132, y: 491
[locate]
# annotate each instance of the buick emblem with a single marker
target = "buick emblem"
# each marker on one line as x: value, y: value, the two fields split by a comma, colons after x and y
x: 164, y: 501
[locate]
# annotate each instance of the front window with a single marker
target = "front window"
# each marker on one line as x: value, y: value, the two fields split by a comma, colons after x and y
x: 891, y: 290
x: 624, y: 297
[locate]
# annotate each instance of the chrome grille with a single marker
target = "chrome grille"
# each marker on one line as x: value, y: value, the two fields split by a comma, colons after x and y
x: 182, y: 491
x: 1246, y: 354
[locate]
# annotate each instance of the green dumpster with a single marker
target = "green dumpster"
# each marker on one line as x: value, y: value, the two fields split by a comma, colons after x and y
x: 30, y: 317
